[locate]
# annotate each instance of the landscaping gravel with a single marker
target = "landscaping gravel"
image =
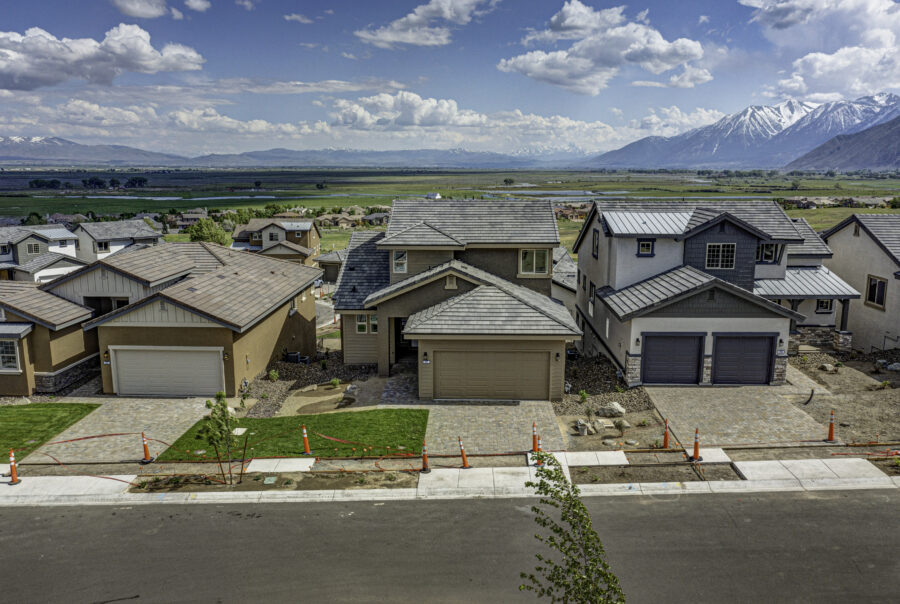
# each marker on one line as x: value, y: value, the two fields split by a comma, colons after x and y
x: 294, y: 376
x: 597, y: 377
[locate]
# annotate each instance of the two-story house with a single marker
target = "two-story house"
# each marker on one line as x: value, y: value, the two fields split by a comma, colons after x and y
x: 460, y: 289
x: 867, y: 254
x: 701, y: 292
x: 287, y: 239
x: 37, y: 253
x: 98, y: 240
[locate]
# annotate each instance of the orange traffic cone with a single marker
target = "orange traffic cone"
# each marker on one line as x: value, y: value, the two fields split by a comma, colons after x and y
x: 666, y: 436
x: 462, y: 452
x: 538, y: 463
x: 13, y: 473
x: 146, y: 459
x: 306, y: 450
x: 830, y: 438
x: 534, y: 438
x: 696, y: 455
x: 425, y: 468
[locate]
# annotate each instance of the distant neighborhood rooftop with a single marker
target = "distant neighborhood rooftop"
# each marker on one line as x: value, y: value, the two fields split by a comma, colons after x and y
x: 121, y: 229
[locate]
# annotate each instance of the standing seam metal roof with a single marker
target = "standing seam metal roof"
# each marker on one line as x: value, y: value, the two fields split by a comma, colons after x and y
x: 646, y: 223
x: 805, y: 282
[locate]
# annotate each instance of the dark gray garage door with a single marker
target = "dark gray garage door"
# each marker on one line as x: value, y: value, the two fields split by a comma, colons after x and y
x: 742, y: 359
x: 671, y: 359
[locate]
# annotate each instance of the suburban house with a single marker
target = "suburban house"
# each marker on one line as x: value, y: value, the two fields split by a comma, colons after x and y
x: 867, y: 254
x: 42, y: 345
x: 702, y: 293
x: 191, y: 217
x: 331, y: 263
x: 37, y: 253
x: 564, y: 282
x: 377, y: 218
x: 287, y: 239
x: 343, y: 221
x: 460, y: 289
x: 189, y: 318
x: 97, y: 240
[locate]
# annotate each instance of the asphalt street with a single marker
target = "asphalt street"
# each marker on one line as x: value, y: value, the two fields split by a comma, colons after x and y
x: 835, y: 546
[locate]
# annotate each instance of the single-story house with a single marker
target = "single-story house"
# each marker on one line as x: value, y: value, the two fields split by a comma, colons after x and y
x: 331, y: 263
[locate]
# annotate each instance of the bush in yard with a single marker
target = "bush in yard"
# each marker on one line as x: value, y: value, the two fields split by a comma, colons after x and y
x: 273, y: 375
x: 582, y: 574
x: 335, y: 382
x: 583, y: 395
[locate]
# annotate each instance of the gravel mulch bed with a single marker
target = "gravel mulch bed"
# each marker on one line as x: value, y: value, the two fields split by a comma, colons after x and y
x: 597, y: 377
x: 293, y: 376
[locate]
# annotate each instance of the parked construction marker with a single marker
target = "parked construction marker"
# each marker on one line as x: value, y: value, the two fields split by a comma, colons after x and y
x: 830, y: 438
x: 534, y: 438
x: 425, y: 468
x: 538, y: 463
x: 696, y: 455
x: 13, y: 472
x: 306, y: 450
x: 462, y: 452
x: 146, y: 459
x: 666, y: 436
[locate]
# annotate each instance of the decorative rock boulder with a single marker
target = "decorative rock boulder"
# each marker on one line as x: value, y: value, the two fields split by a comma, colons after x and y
x: 893, y: 367
x: 612, y: 409
x: 828, y: 368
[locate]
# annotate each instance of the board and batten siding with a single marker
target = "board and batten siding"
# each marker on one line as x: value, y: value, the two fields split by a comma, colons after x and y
x: 93, y: 284
x: 153, y: 314
x: 359, y: 348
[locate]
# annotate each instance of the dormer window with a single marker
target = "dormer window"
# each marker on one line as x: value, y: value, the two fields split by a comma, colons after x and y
x: 4, y: 250
x: 33, y: 249
x: 103, y: 246
x: 63, y: 243
x: 646, y: 248
x: 766, y: 253
x: 534, y: 262
x: 399, y: 261
x: 720, y: 255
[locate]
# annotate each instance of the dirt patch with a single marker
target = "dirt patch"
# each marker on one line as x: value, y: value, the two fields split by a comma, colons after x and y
x: 860, y: 417
x: 629, y: 474
x: 646, y: 429
x: 891, y: 467
x: 817, y: 452
x: 598, y: 378
x: 292, y: 481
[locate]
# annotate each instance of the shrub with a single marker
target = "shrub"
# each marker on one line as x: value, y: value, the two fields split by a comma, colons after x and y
x: 620, y: 426
x: 335, y: 382
x: 273, y: 375
x: 583, y: 395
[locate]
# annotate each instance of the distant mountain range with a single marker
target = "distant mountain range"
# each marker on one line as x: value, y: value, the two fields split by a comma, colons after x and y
x: 760, y: 136
x: 875, y: 148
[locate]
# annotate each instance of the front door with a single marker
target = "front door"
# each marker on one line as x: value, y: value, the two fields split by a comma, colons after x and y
x: 403, y: 349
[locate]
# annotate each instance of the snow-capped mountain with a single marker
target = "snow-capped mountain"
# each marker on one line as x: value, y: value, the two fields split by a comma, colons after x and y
x: 56, y: 151
x: 875, y: 148
x: 760, y: 136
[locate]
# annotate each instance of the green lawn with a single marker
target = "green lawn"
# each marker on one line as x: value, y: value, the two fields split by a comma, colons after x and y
x: 26, y: 427
x: 403, y: 430
x: 337, y: 239
x: 333, y: 335
x: 568, y: 231
x: 177, y: 237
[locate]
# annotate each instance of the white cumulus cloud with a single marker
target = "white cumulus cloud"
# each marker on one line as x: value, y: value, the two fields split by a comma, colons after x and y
x: 298, y: 18
x: 426, y: 25
x: 38, y: 58
x: 142, y: 9
x: 198, y: 5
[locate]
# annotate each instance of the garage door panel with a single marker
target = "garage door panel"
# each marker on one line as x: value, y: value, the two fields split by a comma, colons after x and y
x: 491, y: 374
x: 156, y: 372
x: 671, y: 359
x: 742, y: 359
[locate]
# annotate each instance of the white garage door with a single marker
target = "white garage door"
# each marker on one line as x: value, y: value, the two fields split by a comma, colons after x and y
x: 168, y: 371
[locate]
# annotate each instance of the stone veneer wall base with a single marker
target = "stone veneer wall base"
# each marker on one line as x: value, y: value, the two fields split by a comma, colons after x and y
x: 49, y: 383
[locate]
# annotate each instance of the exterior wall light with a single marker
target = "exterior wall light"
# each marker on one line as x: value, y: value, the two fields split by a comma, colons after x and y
x: 557, y: 357
x: 425, y: 360
x: 106, y: 356
x: 637, y: 341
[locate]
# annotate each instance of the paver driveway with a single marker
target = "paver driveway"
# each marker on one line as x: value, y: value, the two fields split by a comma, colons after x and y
x: 740, y: 415
x: 162, y: 419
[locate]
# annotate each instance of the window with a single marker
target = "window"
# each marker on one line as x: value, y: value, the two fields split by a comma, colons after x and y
x: 720, y: 255
x: 361, y: 326
x: 584, y: 282
x: 824, y: 306
x: 103, y: 246
x: 33, y: 249
x: 162, y: 306
x: 875, y: 292
x: 399, y: 257
x: 577, y: 276
x: 9, y: 355
x: 77, y: 244
x: 534, y: 262
x: 4, y: 250
x: 63, y: 243
x: 450, y: 282
x: 591, y: 300
x: 373, y: 323
x: 766, y: 253
x: 595, y: 244
x: 256, y: 236
x: 273, y: 236
x: 645, y: 247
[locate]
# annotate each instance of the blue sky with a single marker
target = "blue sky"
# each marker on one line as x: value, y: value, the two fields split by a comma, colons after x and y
x: 199, y: 76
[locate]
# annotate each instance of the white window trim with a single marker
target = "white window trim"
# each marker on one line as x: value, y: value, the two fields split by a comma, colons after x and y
x: 18, y: 368
x: 364, y: 324
x: 534, y: 273
x: 373, y: 323
x: 273, y: 236
x: 33, y: 246
x: 4, y: 250
x: 404, y: 262
x: 720, y: 267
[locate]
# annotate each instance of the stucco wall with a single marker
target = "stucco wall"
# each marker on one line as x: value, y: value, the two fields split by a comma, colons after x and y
x: 418, y: 261
x: 564, y: 295
x: 331, y: 272
x: 854, y: 259
x: 773, y: 271
x: 631, y: 268
x: 20, y: 383
x: 504, y: 262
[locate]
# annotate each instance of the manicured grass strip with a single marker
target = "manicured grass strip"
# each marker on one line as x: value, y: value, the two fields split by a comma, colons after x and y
x: 26, y: 427
x: 401, y: 429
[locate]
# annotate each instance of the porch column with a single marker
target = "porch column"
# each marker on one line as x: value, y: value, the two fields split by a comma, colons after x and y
x: 845, y: 313
x: 795, y: 304
x: 843, y: 339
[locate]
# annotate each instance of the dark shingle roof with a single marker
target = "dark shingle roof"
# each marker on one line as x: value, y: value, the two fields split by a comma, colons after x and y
x: 365, y: 270
x: 805, y: 282
x: 24, y: 298
x: 421, y: 234
x: 120, y: 229
x: 508, y: 221
x: 812, y: 244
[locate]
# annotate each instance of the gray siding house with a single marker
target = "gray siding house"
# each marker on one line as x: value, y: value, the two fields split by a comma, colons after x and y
x: 689, y: 293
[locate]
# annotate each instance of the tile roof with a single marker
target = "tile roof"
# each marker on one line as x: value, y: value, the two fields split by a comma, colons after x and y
x: 805, y: 282
x: 152, y: 264
x: 291, y: 246
x: 565, y: 271
x: 365, y: 270
x: 15, y: 331
x: 495, y: 221
x: 120, y: 229
x: 765, y: 216
x: 812, y: 244
x: 24, y: 298
x: 883, y: 228
x: 644, y: 296
x: 44, y: 260
x: 15, y: 234
x: 242, y: 231
x: 490, y: 310
x: 421, y: 234
x: 337, y: 257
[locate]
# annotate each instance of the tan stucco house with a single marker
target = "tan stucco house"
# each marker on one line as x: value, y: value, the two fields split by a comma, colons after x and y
x: 461, y: 290
x: 287, y: 239
x: 867, y: 255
